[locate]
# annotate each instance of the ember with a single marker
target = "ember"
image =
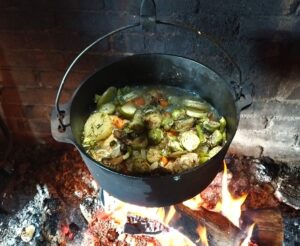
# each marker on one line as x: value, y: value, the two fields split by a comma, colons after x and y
x: 203, y: 236
x: 58, y: 215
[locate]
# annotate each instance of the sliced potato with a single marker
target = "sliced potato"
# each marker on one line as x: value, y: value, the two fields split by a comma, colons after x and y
x: 98, y: 126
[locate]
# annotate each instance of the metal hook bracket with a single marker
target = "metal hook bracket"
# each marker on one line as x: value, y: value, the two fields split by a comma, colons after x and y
x: 148, y: 15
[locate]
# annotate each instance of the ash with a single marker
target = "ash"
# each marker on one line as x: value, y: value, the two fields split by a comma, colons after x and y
x: 66, y: 208
x: 292, y: 232
x: 40, y: 215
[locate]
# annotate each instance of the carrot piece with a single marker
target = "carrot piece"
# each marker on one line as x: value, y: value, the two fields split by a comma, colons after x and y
x: 172, y: 133
x: 139, y: 101
x: 163, y: 102
x: 118, y: 122
x: 164, y: 160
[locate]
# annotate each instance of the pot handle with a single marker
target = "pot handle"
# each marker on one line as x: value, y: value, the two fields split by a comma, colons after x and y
x: 60, y: 133
x: 59, y: 111
x: 243, y: 94
x: 147, y: 21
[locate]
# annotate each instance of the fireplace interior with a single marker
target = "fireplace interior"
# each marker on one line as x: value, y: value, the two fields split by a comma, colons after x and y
x: 48, y: 196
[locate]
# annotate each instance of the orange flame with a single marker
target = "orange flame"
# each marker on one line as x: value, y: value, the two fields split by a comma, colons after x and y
x: 247, y: 240
x: 173, y: 237
x: 230, y: 206
x: 193, y: 203
x: 202, y: 235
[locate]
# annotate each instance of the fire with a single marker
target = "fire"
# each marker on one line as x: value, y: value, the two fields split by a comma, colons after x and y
x: 230, y: 206
x: 202, y: 235
x: 120, y: 210
x: 247, y: 240
x: 194, y: 203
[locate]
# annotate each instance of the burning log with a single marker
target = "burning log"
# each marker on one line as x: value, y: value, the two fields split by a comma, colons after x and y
x: 268, y: 229
x: 221, y: 231
x: 140, y: 225
x: 268, y: 226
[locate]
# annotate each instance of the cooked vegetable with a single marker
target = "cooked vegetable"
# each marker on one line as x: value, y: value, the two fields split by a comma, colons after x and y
x: 106, y: 97
x: 196, y: 113
x: 200, y: 134
x: 156, y: 135
x: 216, y: 138
x: 118, y: 122
x: 137, y: 123
x: 108, y: 108
x: 139, y: 101
x: 178, y: 114
x: 140, y: 142
x: 98, y: 126
x: 164, y: 160
x: 127, y: 110
x: 222, y: 122
x: 214, y: 151
x: 163, y: 102
x: 189, y: 140
x: 153, y: 120
x: 196, y: 104
x: 167, y: 122
x: 130, y: 96
x: 138, y: 130
x: 184, y: 124
x: 185, y: 162
x: 174, y: 145
x: 210, y: 125
x: 153, y: 155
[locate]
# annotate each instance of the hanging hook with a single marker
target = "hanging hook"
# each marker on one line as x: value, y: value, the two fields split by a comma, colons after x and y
x: 148, y: 14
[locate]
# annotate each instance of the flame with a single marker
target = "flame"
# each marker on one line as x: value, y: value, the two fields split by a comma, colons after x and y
x: 159, y: 214
x: 173, y: 237
x: 193, y: 203
x: 230, y: 206
x: 202, y: 235
x: 247, y: 240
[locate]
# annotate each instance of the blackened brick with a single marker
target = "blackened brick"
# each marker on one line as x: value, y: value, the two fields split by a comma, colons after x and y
x: 129, y: 42
x: 295, y: 95
x: 13, y: 77
x: 65, y: 5
x: 130, y: 6
x: 167, y: 7
x: 269, y: 28
x: 26, y: 111
x: 180, y: 44
x: 93, y: 22
x: 53, y: 78
x: 12, y: 40
x: 32, y: 96
x: 33, y: 59
x: 26, y: 20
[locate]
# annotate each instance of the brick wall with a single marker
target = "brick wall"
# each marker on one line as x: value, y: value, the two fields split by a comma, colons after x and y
x: 38, y: 39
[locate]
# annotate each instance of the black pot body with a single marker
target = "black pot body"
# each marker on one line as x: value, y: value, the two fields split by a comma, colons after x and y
x: 151, y: 69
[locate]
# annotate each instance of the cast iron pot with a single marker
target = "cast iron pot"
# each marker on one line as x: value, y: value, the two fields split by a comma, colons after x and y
x: 151, y: 69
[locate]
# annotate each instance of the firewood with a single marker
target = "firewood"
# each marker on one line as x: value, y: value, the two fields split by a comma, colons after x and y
x: 219, y: 229
x: 268, y: 230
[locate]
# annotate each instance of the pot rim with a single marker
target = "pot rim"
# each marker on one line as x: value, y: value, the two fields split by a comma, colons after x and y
x: 148, y: 177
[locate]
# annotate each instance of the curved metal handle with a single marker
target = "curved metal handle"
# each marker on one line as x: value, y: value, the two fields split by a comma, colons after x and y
x: 61, y: 86
x: 210, y: 39
x: 147, y: 21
